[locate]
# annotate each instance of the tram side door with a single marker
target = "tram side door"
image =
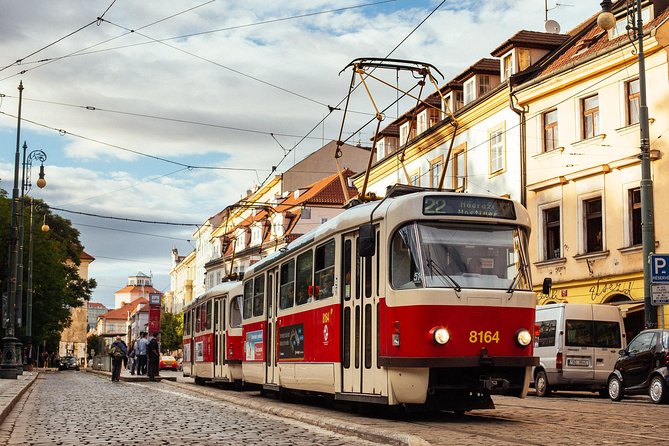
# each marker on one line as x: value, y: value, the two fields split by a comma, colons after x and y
x: 358, y: 319
x: 271, y: 363
x: 219, y: 336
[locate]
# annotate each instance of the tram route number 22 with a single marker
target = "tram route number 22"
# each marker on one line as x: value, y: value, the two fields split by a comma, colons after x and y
x: 483, y: 337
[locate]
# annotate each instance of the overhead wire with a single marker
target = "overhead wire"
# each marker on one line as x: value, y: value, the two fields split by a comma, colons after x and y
x: 133, y: 220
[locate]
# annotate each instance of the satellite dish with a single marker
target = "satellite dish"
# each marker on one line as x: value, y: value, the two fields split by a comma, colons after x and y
x: 552, y: 26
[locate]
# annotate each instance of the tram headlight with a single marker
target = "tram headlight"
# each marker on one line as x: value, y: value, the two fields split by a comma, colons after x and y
x: 440, y: 335
x: 523, y: 337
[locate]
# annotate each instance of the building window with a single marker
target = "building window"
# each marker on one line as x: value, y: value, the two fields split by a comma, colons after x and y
x: 380, y: 149
x: 421, y: 122
x: 436, y: 165
x: 459, y: 163
x: 550, y: 122
x: 391, y: 143
x: 496, y: 151
x: 632, y: 103
x: 306, y: 213
x: 469, y: 90
x: 590, y: 116
x: 407, y: 133
x: 507, y: 66
x: 551, y: 217
x: 634, y: 199
x: 593, y: 221
x: 524, y: 60
x: 484, y: 84
x: 414, y: 178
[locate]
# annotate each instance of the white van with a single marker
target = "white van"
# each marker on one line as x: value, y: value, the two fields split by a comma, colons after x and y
x: 577, y: 346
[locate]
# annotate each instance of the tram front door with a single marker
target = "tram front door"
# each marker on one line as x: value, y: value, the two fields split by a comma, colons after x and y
x: 359, y: 319
x: 219, y: 336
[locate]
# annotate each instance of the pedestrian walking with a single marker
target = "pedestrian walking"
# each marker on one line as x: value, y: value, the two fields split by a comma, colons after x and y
x: 132, y: 358
x: 140, y: 353
x: 153, y: 354
x: 118, y: 352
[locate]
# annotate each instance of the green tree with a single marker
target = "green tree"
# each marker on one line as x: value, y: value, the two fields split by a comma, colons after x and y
x: 94, y: 342
x: 171, y: 331
x: 57, y: 286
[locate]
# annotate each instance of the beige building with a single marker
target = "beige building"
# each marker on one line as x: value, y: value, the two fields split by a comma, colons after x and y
x: 583, y: 170
x: 73, y: 338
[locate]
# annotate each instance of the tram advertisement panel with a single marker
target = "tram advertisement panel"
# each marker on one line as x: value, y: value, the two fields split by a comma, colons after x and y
x: 253, y: 345
x: 291, y: 342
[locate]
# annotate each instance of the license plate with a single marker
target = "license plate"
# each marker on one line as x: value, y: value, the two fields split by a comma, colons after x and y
x: 578, y: 362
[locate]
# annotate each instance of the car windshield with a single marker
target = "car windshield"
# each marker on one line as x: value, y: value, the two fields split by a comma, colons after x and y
x: 438, y: 255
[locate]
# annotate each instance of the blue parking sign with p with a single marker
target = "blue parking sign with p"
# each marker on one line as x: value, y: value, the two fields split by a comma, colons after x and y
x: 659, y: 264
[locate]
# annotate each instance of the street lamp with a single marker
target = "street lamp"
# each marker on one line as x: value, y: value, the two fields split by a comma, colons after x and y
x: 606, y: 20
x: 41, y: 183
x: 9, y: 364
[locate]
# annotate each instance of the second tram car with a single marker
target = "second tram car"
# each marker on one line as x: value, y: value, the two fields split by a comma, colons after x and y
x: 212, y: 339
x: 422, y: 298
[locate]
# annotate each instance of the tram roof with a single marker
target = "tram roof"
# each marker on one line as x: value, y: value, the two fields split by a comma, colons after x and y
x: 216, y: 290
x: 355, y: 216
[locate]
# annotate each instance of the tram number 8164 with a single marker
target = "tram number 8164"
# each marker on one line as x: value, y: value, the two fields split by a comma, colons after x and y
x: 483, y: 337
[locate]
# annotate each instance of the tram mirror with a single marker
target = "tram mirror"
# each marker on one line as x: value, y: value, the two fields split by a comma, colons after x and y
x: 366, y: 241
x: 548, y: 283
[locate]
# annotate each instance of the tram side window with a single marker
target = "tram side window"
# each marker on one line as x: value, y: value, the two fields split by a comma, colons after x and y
x: 247, y: 305
x: 187, y: 322
x: 287, y: 290
x: 324, y: 270
x: 303, y: 280
x: 236, y: 312
x: 404, y: 270
x: 258, y: 295
x: 198, y: 319
x: 208, y: 313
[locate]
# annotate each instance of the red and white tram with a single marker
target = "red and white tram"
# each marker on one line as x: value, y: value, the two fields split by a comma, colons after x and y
x: 421, y: 298
x: 212, y: 339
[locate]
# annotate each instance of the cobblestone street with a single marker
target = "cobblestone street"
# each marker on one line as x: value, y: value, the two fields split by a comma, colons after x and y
x: 73, y: 408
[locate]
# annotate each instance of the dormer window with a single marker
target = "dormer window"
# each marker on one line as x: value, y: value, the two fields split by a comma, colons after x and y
x: 484, y: 84
x: 507, y: 66
x: 380, y: 149
x: 407, y: 132
x: 621, y: 23
x: 469, y: 90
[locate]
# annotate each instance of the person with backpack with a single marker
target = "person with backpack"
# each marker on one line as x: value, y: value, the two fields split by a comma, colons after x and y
x: 117, y: 351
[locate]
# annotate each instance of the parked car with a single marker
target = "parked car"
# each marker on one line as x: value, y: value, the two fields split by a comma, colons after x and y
x: 168, y: 362
x: 643, y: 367
x: 577, y: 346
x: 68, y: 363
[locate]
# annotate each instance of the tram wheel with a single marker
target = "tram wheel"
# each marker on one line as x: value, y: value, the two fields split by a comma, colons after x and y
x: 199, y: 381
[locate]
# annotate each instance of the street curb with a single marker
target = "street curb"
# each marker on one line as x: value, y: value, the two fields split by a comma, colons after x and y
x: 129, y: 379
x: 8, y: 408
x: 356, y: 430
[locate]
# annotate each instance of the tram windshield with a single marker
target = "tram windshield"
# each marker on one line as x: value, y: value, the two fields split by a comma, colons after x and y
x: 448, y: 255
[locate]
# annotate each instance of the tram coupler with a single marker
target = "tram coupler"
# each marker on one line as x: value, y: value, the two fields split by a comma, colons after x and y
x: 495, y: 385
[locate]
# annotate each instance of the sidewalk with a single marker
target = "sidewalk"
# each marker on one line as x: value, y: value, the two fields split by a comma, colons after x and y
x: 127, y: 377
x: 12, y: 389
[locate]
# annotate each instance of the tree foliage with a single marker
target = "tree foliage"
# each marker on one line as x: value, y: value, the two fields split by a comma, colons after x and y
x: 57, y: 286
x: 171, y: 331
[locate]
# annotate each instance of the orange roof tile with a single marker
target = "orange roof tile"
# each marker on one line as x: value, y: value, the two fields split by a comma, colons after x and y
x: 122, y: 313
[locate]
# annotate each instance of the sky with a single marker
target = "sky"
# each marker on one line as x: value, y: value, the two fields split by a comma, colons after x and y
x: 155, y: 115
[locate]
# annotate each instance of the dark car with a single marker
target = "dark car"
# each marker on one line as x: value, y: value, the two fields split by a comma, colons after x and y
x: 68, y: 363
x: 643, y: 367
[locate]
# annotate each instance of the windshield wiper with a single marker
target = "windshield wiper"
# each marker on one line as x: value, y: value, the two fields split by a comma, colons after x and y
x: 513, y: 282
x: 432, y: 264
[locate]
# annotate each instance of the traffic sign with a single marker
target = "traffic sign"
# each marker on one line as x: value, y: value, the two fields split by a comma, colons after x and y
x: 659, y: 265
x: 659, y: 294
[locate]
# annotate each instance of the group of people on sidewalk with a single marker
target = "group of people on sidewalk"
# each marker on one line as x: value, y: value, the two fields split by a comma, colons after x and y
x: 143, y: 356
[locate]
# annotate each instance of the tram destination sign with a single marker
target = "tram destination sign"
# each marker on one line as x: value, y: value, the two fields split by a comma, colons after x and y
x: 468, y: 206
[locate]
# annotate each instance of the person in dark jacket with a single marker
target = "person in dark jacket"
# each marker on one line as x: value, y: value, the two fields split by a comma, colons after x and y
x: 153, y: 354
x: 118, y: 352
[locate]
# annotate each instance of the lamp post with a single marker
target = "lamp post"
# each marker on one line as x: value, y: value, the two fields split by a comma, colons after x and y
x: 9, y: 365
x: 26, y: 182
x: 25, y: 187
x: 606, y: 20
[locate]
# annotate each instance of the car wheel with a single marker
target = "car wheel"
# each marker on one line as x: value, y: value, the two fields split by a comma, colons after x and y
x: 657, y: 390
x: 541, y: 384
x: 615, y: 388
